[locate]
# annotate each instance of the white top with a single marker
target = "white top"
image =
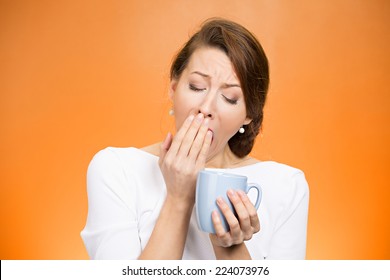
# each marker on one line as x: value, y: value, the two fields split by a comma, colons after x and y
x: 126, y: 191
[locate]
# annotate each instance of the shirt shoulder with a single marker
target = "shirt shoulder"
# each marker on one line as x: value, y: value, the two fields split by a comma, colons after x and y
x: 271, y: 170
x: 115, y: 159
x: 126, y: 154
x: 278, y: 180
x: 121, y: 170
x: 279, y: 171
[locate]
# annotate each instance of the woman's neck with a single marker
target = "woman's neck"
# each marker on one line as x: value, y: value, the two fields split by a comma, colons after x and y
x: 227, y: 159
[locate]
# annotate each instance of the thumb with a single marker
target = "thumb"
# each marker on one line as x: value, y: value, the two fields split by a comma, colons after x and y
x: 165, y: 145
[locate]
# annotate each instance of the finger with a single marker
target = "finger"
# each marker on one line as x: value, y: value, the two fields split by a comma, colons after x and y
x: 242, y: 213
x: 177, y: 140
x: 167, y: 142
x: 252, y: 211
x: 235, y: 229
x: 190, y: 136
x: 202, y: 155
x: 165, y: 147
x: 199, y: 140
x: 219, y: 229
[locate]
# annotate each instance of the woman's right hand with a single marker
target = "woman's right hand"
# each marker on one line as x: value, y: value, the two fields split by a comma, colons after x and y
x: 183, y: 156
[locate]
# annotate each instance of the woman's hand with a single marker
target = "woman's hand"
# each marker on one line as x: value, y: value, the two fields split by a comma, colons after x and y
x: 242, y: 227
x: 182, y: 157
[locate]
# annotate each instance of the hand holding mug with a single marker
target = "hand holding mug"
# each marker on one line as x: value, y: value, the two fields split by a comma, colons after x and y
x: 224, y: 209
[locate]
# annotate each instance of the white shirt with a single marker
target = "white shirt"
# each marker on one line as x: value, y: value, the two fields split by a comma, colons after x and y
x: 126, y: 191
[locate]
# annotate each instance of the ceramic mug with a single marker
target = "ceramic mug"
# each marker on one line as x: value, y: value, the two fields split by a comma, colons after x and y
x: 212, y: 184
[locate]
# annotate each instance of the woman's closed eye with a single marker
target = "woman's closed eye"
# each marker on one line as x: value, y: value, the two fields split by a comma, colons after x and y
x: 195, y: 88
x: 230, y: 100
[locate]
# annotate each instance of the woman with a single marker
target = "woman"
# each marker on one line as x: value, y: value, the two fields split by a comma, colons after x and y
x: 141, y: 201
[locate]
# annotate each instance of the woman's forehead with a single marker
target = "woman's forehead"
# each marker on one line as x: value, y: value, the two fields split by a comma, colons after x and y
x: 212, y: 63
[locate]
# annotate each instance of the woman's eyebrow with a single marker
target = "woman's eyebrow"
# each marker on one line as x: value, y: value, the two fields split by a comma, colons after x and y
x: 231, y: 85
x: 226, y: 85
x: 201, y: 74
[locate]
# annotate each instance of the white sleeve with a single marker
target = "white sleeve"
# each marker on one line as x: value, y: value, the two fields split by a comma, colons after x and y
x: 289, y: 238
x: 111, y: 231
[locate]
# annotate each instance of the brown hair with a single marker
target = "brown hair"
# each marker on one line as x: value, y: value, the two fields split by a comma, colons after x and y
x: 250, y: 64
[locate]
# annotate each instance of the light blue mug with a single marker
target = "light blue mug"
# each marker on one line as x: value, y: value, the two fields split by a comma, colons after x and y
x: 212, y: 184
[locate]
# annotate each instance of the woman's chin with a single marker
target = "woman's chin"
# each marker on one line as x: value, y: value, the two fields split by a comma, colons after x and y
x: 213, y: 152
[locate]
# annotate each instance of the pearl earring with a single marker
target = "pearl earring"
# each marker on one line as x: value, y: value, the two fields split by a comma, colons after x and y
x: 171, y: 112
x: 241, y: 130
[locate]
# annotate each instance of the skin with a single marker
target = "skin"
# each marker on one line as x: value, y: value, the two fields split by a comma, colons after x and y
x: 209, y: 109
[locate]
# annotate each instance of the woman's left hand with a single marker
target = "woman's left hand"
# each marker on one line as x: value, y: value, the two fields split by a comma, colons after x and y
x: 242, y: 227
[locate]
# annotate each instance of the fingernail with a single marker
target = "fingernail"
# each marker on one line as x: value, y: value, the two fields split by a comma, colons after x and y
x: 240, y: 192
x: 190, y: 118
x: 232, y: 193
x: 199, y: 117
x: 219, y: 200
x: 206, y: 122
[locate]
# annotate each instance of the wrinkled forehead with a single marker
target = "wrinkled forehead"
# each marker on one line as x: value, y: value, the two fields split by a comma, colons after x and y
x: 213, y: 63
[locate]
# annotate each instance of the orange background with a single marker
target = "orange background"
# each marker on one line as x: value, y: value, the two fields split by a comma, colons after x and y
x: 77, y: 76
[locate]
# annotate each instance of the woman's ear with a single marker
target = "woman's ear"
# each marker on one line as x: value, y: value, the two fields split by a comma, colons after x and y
x: 172, y: 88
x: 247, y: 121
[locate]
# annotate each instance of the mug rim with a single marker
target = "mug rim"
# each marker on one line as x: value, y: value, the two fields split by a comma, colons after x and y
x: 221, y: 173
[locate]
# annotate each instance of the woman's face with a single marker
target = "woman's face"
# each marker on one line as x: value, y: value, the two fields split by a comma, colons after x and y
x: 210, y: 86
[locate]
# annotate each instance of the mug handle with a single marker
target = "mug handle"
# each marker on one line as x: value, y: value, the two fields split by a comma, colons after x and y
x: 259, y: 192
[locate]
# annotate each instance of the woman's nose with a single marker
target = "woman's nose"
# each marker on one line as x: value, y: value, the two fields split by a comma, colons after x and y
x: 209, y: 115
x: 207, y: 106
